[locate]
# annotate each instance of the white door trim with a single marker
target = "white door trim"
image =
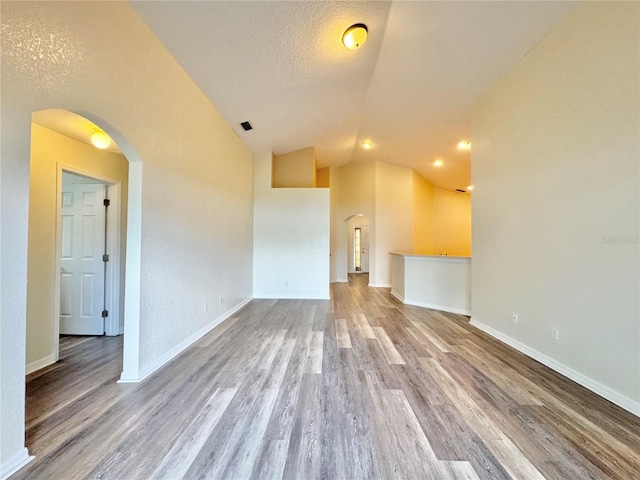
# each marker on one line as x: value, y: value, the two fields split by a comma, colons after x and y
x: 115, y: 262
x: 112, y: 278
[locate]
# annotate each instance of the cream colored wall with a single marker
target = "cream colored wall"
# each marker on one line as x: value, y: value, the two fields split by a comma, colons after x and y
x: 451, y: 223
x: 323, y: 178
x: 556, y: 207
x: 49, y: 150
x: 193, y: 183
x: 393, y: 218
x: 357, y: 194
x: 295, y: 170
x: 423, y: 216
x: 335, y: 244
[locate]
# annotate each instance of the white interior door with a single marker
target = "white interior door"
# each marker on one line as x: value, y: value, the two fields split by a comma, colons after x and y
x: 81, y: 265
x: 364, y: 253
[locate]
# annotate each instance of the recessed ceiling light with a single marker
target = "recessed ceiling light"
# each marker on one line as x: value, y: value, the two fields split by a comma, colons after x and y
x: 469, y: 188
x: 100, y: 140
x: 438, y: 163
x: 355, y: 36
x: 367, y: 145
x: 464, y: 145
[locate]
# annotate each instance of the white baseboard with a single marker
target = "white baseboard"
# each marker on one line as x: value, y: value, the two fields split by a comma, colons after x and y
x: 291, y: 297
x: 40, y: 363
x: 587, y: 382
x: 380, y: 285
x: 434, y: 306
x: 128, y: 377
x: 397, y: 295
x: 15, y: 463
x: 340, y: 280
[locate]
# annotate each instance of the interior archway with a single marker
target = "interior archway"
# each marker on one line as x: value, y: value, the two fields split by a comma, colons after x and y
x: 79, y: 125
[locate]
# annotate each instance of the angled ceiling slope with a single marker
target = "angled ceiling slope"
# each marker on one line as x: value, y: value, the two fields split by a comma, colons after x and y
x: 409, y: 89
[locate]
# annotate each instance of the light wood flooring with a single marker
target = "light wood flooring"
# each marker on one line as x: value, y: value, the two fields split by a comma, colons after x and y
x: 361, y: 387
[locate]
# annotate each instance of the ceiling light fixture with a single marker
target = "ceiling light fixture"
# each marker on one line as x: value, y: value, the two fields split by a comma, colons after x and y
x: 355, y: 36
x: 464, y: 145
x: 100, y: 140
x: 438, y: 163
x: 367, y: 145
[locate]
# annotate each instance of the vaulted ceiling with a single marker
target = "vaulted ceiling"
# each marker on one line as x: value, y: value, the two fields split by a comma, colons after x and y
x: 409, y: 90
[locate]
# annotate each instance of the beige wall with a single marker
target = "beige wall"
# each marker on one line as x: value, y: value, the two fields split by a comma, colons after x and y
x: 295, y: 170
x: 49, y: 150
x: 451, y: 223
x: 393, y: 222
x: 355, y: 186
x: 423, y: 216
x: 323, y: 178
x: 556, y: 213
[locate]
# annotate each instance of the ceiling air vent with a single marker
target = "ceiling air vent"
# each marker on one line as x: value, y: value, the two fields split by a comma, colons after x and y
x: 461, y: 191
x: 247, y: 126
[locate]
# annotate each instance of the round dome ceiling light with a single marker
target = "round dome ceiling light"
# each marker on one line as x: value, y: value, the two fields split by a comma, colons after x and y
x: 100, y: 140
x: 355, y: 36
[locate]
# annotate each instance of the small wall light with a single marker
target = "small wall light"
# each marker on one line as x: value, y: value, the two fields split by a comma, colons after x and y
x: 438, y: 163
x: 464, y: 145
x: 469, y: 188
x: 367, y: 145
x: 355, y: 36
x: 100, y: 140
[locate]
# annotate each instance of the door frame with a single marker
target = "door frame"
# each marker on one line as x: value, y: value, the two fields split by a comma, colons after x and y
x: 112, y: 278
x: 351, y: 228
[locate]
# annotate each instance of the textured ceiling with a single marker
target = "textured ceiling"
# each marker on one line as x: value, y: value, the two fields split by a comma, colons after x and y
x: 409, y: 90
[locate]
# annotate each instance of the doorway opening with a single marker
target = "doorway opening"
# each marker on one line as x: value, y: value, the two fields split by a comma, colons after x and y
x: 61, y: 143
x: 358, y: 241
x: 89, y: 241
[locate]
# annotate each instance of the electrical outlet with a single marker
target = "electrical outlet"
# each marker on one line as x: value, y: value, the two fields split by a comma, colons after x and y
x: 555, y: 334
x: 220, y: 300
x: 515, y: 318
x: 205, y: 307
x: 430, y: 289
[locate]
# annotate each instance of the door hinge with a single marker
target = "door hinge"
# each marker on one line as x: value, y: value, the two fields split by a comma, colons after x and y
x: 105, y: 313
x: 107, y: 202
x: 105, y: 258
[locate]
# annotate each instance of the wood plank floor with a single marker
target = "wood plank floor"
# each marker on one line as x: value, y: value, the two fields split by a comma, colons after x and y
x: 361, y: 387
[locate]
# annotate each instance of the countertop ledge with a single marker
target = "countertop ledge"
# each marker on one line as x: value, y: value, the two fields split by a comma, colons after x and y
x: 420, y: 255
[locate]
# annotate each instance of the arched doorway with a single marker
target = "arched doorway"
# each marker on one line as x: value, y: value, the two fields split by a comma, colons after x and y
x: 78, y: 126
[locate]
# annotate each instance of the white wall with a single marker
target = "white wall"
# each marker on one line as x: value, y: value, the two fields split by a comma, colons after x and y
x: 556, y: 204
x: 433, y: 281
x: 290, y: 238
x: 196, y: 188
